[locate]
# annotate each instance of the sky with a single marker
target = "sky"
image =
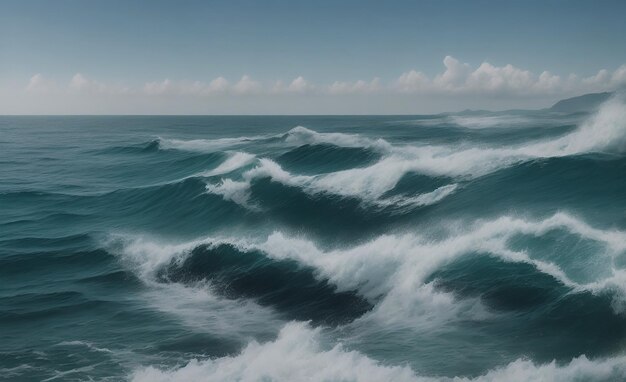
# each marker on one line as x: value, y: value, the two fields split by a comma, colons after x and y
x: 305, y: 57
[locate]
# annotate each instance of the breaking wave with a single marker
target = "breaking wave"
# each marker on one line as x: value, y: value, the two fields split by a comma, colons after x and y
x: 604, y: 132
x: 392, y: 271
x: 450, y: 250
x: 300, y: 354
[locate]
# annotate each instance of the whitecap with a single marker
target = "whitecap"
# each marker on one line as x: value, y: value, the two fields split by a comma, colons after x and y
x: 234, y: 162
x: 299, y: 354
x: 205, y: 145
x: 392, y: 271
x: 300, y: 135
x: 196, y: 305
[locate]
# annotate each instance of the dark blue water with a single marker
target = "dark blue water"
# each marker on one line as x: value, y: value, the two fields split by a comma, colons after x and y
x: 489, y: 247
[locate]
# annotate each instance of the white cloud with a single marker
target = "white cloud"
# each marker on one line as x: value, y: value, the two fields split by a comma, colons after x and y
x: 457, y: 79
x: 412, y: 81
x: 619, y: 76
x: 298, y: 85
x: 547, y: 82
x: 492, y: 79
x: 508, y: 80
x: 80, y: 83
x: 603, y: 77
x: 177, y: 88
x: 218, y: 85
x: 159, y: 88
x: 455, y: 75
x: 458, y: 84
x: 358, y: 87
x: 39, y: 84
x: 247, y: 86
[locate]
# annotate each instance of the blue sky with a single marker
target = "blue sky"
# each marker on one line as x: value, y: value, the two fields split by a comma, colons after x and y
x: 340, y: 56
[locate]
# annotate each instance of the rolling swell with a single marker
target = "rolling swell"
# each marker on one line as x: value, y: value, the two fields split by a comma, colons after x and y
x: 283, y: 285
x: 549, y: 185
x: 139, y: 148
x: 321, y: 158
x: 470, y: 247
x: 536, y: 300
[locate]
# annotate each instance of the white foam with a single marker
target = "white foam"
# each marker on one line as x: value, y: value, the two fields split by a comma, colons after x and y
x: 300, y: 135
x: 490, y: 121
x: 299, y: 354
x: 392, y: 270
x: 403, y: 202
x: 269, y: 169
x: 368, y: 184
x: 579, y: 369
x: 63, y: 374
x: 296, y: 355
x: 603, y: 132
x: 195, y: 305
x: 199, y: 308
x: 396, y: 267
x: 234, y: 162
x: 297, y: 136
x: 86, y: 344
x: 17, y: 371
x: 145, y: 256
x: 238, y: 192
x: 205, y: 145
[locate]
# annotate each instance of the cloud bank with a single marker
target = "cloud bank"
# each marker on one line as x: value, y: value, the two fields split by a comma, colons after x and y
x: 458, y: 80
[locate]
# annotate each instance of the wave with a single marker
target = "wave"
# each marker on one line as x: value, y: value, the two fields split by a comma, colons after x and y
x: 286, y: 286
x: 234, y: 162
x: 196, y: 304
x: 324, y: 158
x: 369, y: 184
x: 490, y: 121
x: 393, y: 271
x: 300, y: 135
x: 401, y: 202
x: 398, y: 267
x: 205, y: 145
x: 299, y: 353
x: 605, y: 132
x: 140, y: 148
x: 234, y: 191
x: 297, y: 136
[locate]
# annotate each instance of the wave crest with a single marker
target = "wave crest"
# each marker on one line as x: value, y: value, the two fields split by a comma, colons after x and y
x: 299, y: 354
x: 393, y: 271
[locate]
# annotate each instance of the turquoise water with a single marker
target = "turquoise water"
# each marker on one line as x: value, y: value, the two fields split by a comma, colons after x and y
x: 484, y: 246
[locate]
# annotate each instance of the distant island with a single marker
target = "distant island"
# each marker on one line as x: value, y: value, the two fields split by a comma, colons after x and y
x: 584, y: 103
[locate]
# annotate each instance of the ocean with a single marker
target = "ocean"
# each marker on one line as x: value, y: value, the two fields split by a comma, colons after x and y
x: 471, y: 246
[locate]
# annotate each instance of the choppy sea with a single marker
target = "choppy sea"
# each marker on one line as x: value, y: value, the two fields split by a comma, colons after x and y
x: 453, y: 247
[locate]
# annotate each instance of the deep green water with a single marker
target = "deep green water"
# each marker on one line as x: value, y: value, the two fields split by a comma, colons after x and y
x: 486, y: 246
